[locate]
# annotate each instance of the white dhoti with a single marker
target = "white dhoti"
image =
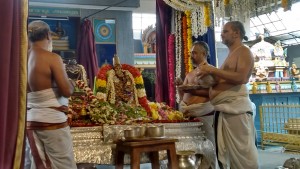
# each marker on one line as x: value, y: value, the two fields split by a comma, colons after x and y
x: 202, y: 111
x: 56, y: 144
x: 235, y: 129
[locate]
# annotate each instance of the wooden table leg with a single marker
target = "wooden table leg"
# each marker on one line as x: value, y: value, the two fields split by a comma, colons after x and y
x: 154, y: 157
x: 172, y: 157
x: 135, y: 159
x: 119, y: 161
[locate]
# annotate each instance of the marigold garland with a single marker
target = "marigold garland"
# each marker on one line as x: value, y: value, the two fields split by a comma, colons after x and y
x: 171, y: 57
x: 226, y: 2
x: 101, y: 83
x: 101, y: 79
x: 189, y: 38
x: 207, y: 21
x: 185, y: 45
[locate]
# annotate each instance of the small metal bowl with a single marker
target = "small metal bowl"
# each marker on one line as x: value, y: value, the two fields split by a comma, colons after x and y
x: 141, y: 131
x: 130, y: 134
x: 155, y: 131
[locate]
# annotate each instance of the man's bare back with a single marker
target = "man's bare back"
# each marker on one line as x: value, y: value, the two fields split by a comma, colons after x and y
x: 46, y: 70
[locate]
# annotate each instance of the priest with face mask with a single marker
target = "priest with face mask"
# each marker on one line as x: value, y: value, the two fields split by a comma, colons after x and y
x: 49, y: 141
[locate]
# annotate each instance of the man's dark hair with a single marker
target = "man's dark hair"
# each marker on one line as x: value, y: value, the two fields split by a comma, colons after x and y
x: 204, y: 45
x: 238, y: 26
x: 38, y: 30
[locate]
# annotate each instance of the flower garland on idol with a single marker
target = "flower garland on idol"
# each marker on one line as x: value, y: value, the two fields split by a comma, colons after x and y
x: 102, y: 85
x: 171, y: 49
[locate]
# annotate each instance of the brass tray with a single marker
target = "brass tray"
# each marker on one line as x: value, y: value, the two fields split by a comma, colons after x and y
x: 189, y: 87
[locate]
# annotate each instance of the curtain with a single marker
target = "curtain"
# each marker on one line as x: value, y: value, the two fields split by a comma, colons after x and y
x: 13, y: 75
x: 86, y: 48
x: 163, y: 28
x: 209, y: 38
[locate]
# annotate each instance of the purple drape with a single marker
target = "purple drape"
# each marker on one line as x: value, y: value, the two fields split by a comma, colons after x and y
x: 86, y: 48
x: 163, y: 27
x: 13, y: 52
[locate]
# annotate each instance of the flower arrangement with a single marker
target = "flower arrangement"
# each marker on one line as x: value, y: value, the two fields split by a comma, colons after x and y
x: 101, y: 81
x: 102, y: 84
x: 98, y: 111
x: 120, y: 113
x: 161, y: 111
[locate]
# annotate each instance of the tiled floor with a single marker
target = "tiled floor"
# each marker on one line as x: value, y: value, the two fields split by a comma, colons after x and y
x: 272, y: 157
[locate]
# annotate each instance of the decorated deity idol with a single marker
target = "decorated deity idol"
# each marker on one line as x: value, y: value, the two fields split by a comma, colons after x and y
x: 121, y: 85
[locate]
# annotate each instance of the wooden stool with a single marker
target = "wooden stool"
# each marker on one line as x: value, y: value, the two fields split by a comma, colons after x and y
x: 153, y: 146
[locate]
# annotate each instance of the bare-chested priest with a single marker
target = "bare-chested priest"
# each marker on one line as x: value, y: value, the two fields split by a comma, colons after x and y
x: 195, y: 103
x: 48, y: 132
x: 234, y: 123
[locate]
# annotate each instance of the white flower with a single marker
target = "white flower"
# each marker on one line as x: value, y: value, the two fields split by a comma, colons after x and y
x: 141, y: 93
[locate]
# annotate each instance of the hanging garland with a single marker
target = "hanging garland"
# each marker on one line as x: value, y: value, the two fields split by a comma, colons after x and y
x: 174, y: 5
x: 171, y: 56
x: 242, y: 9
x: 193, y: 6
x: 189, y: 38
x: 185, y: 44
x: 207, y: 21
x: 178, y: 52
x: 226, y: 2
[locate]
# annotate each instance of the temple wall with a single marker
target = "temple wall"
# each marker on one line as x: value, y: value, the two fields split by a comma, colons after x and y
x: 124, y: 33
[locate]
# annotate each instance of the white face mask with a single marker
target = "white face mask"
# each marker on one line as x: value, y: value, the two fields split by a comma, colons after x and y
x: 50, y: 46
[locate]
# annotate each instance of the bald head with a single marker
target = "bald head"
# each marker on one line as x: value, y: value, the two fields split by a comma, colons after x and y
x: 38, y: 30
x: 239, y: 27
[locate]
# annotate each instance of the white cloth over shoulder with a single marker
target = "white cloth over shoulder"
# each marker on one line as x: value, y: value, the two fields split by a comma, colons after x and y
x: 39, y: 103
x: 196, y: 110
x: 235, y: 129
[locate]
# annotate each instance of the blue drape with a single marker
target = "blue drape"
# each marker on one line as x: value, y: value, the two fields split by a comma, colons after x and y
x: 209, y: 38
